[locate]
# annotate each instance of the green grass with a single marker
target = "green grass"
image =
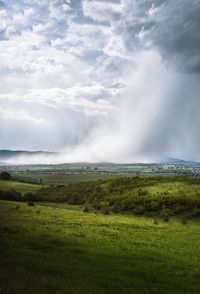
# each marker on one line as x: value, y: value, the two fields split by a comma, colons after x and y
x: 19, y: 187
x: 57, y: 249
x: 62, y: 178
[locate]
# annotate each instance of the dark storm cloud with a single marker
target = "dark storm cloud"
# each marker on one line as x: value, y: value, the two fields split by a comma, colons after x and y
x: 170, y: 26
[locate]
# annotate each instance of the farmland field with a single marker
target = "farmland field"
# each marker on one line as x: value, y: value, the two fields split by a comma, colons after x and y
x: 61, y: 178
x: 59, y: 249
x: 82, y: 172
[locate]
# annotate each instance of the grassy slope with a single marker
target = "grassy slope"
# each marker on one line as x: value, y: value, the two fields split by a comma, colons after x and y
x: 20, y: 187
x: 59, y: 250
x: 138, y: 195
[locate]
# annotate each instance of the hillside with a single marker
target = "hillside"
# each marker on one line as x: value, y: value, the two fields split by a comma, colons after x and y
x: 6, y: 155
x: 153, y: 196
x: 48, y: 250
x: 164, y: 197
x: 22, y: 188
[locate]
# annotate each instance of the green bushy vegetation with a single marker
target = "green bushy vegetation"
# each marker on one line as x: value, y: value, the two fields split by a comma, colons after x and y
x: 10, y: 195
x: 164, y: 197
x: 5, y: 176
x: 58, y: 249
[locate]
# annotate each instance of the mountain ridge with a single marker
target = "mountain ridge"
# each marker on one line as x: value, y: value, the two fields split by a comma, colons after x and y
x: 7, y: 154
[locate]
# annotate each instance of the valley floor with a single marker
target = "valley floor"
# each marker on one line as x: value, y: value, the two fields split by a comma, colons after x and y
x: 47, y: 249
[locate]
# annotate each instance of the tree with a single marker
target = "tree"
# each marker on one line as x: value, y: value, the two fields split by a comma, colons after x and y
x: 5, y: 176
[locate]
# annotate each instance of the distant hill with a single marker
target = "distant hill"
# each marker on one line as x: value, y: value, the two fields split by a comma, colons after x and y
x: 45, y: 157
x: 169, y: 160
x: 6, y: 155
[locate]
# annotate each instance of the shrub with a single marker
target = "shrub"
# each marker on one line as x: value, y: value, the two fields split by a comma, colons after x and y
x: 86, y: 209
x: 196, y: 212
x: 143, y: 192
x: 155, y: 221
x: 10, y: 195
x: 165, y: 214
x: 139, y: 209
x: 184, y: 221
x: 5, y: 176
x: 31, y: 204
x: 29, y: 197
x: 106, y: 211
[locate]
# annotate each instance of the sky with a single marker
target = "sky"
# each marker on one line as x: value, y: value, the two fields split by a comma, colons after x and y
x: 101, y: 80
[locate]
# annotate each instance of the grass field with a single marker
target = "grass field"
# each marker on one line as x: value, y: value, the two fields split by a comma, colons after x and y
x: 56, y: 249
x: 59, y: 178
x: 19, y: 187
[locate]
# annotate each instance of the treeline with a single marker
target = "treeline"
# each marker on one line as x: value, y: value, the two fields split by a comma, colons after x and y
x: 122, y: 195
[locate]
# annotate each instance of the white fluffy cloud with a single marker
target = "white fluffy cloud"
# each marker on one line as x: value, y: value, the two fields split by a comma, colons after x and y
x: 55, y: 77
x: 102, y: 11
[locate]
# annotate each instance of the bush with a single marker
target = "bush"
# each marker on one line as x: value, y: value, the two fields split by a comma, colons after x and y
x: 184, y: 221
x: 29, y: 197
x: 86, y: 209
x: 196, y: 212
x: 143, y: 192
x: 31, y: 204
x: 139, y: 209
x: 165, y: 214
x: 10, y: 195
x: 155, y: 221
x: 5, y: 176
x: 106, y: 211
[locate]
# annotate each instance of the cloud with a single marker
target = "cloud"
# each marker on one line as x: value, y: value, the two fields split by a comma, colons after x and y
x: 102, y: 11
x: 79, y: 40
x: 172, y: 27
x: 101, y: 80
x: 28, y: 61
x: 46, y: 119
x: 157, y: 117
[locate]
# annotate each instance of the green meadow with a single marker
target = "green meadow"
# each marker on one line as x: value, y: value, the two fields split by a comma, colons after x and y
x: 137, y: 235
x: 59, y: 249
x: 19, y: 187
